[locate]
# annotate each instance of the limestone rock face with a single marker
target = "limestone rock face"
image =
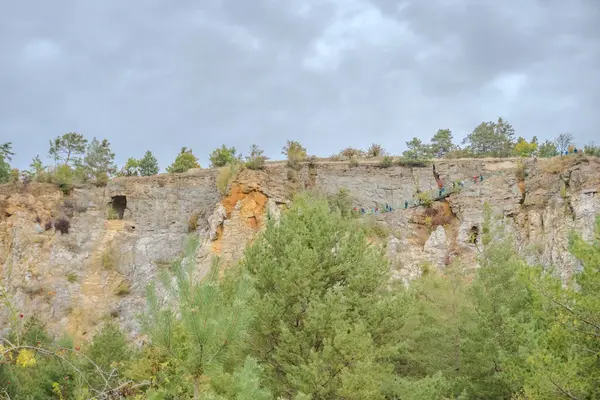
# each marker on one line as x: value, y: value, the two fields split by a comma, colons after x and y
x: 122, y: 235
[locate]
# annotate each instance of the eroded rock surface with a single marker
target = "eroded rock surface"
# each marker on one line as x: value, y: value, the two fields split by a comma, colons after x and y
x: 123, y: 234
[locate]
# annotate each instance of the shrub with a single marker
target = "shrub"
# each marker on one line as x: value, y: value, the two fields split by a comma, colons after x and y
x: 69, y: 208
x: 412, y: 163
x: 108, y: 258
x: 374, y: 228
x: 353, y: 162
x: 71, y: 277
x: 256, y: 159
x: 48, y: 225
x: 63, y: 178
x: 375, y: 150
x: 223, y: 156
x: 429, y: 223
x: 350, y: 153
x: 122, y: 289
x: 295, y: 152
x: 184, y: 161
x: 111, y: 213
x: 341, y: 202
x: 101, y: 179
x: 386, y: 162
x: 14, y: 175
x: 425, y: 199
x: 226, y: 175
x: 81, y: 207
x: 520, y: 171
x: 63, y: 225
x: 193, y: 222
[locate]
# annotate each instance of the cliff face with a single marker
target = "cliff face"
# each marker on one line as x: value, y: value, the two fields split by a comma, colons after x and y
x: 123, y: 234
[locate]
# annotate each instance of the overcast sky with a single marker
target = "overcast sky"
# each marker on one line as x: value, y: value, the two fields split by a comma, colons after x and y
x: 158, y: 75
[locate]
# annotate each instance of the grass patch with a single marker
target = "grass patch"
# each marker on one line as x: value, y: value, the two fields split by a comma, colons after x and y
x: 226, y: 175
x: 375, y: 228
x: 123, y: 288
x: 71, y: 277
x: 520, y: 171
x: 111, y: 213
x: 193, y: 222
x: 108, y: 258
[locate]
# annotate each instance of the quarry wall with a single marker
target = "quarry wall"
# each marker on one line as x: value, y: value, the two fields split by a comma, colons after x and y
x: 121, y: 235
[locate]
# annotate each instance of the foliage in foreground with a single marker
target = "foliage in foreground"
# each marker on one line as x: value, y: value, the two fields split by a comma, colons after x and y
x: 311, y: 314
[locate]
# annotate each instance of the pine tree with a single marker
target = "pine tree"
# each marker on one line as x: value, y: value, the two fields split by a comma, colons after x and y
x: 326, y: 322
x: 5, y: 157
x: 491, y: 139
x: 504, y: 327
x: 199, y: 327
x: 99, y: 160
x: 185, y: 160
x: 148, y: 165
x: 441, y: 143
x: 567, y: 364
x: 416, y: 150
x: 67, y: 148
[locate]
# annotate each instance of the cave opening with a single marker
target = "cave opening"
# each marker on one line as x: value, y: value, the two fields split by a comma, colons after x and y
x: 119, y: 204
x: 474, y: 234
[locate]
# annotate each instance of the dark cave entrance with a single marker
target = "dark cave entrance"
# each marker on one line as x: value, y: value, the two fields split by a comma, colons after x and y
x: 474, y: 234
x: 119, y: 204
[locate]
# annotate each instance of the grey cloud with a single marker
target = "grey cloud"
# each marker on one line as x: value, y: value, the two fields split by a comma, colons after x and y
x: 331, y: 73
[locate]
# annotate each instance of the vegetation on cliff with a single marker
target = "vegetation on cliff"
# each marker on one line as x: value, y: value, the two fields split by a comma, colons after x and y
x: 310, y: 313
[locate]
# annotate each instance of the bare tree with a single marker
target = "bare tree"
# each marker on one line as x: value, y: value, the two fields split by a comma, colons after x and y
x: 563, y: 141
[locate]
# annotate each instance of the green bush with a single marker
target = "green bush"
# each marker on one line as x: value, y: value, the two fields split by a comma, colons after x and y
x: 185, y: 161
x: 341, y: 202
x: 387, y: 162
x: 294, y: 152
x: 63, y: 177
x: 256, y: 159
x: 223, y: 156
x: 412, y: 163
x: 425, y: 199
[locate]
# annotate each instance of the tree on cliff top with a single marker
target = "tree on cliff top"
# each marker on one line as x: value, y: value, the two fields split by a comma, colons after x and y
x: 68, y: 148
x: 491, y: 139
x: 294, y: 152
x: 5, y: 156
x: 563, y: 142
x: 99, y: 160
x: 523, y: 148
x: 223, y: 156
x: 185, y: 160
x: 148, y: 165
x: 416, y: 150
x: 441, y: 143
